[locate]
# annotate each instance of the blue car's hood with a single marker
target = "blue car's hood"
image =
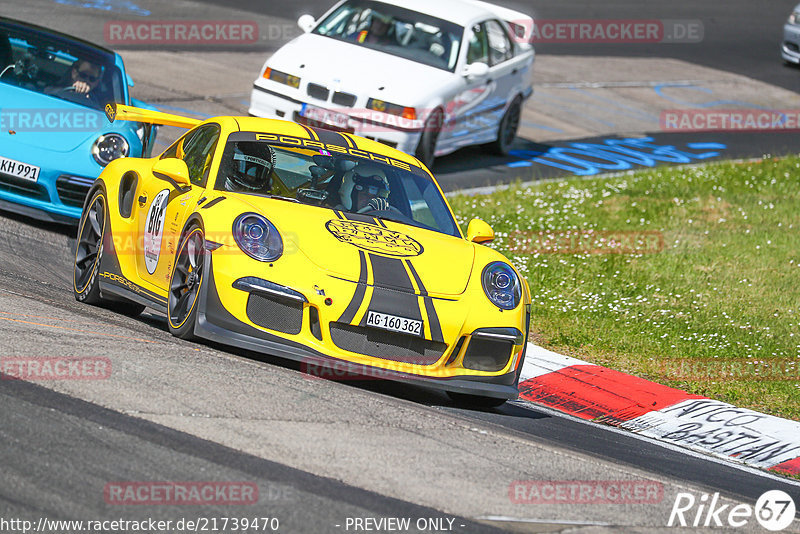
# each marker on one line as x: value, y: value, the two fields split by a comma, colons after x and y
x: 46, y: 121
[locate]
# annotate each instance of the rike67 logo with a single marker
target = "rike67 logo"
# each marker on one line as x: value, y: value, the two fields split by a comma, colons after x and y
x: 774, y: 511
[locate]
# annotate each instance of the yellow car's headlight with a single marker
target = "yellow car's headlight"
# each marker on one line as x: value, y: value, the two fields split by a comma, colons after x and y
x: 257, y: 237
x: 502, y: 285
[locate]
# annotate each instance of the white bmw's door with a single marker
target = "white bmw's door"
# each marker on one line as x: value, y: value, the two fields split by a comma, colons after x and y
x: 466, y: 110
x: 506, y: 70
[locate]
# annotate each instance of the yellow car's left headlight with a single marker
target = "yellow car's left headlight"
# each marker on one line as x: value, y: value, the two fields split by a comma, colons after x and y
x: 257, y: 237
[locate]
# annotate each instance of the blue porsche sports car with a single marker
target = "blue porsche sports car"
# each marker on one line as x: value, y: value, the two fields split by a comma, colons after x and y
x: 54, y: 139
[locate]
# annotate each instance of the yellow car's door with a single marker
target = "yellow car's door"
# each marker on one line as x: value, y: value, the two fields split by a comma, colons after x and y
x: 165, y: 208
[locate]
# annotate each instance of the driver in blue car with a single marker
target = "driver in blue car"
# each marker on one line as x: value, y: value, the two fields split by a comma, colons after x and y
x: 81, y: 83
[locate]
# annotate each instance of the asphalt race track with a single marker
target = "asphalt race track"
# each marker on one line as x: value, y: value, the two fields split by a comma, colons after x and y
x: 323, y: 453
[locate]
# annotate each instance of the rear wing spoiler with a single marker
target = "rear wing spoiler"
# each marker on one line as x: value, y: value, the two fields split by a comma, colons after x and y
x: 521, y: 25
x: 121, y: 112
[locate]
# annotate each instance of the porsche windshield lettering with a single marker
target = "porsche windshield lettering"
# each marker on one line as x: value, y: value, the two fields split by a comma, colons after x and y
x: 309, y: 143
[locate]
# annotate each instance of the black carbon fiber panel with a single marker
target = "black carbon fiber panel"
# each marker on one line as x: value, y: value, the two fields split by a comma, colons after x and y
x: 281, y: 315
x: 386, y: 345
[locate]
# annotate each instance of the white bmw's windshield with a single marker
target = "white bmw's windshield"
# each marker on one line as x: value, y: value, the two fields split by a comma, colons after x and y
x: 395, y: 30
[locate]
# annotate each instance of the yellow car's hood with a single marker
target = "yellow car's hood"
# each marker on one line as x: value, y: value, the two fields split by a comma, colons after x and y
x: 345, y: 244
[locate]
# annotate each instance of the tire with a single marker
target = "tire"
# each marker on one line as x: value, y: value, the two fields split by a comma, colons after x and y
x: 474, y: 401
x: 185, y: 283
x: 89, y: 250
x: 430, y: 134
x: 507, y: 131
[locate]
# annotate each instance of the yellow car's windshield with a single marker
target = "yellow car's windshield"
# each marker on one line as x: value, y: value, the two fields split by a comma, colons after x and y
x: 366, y: 183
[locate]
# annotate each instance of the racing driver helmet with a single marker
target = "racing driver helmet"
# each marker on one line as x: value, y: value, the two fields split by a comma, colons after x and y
x: 250, y: 168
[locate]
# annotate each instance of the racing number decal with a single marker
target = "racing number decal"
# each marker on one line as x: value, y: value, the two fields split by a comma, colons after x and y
x: 154, y: 230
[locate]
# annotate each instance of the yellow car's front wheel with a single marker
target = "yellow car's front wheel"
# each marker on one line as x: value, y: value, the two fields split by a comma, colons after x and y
x: 88, y: 251
x: 185, y: 282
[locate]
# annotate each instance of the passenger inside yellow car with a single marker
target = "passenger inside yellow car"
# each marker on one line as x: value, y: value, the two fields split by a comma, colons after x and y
x: 250, y: 169
x: 364, y: 189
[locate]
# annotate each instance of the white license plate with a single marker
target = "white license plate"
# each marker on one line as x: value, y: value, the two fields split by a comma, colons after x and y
x: 19, y: 169
x: 394, y: 323
x: 324, y: 116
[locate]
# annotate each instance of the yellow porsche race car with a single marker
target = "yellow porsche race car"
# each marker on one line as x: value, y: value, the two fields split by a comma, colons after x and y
x: 308, y: 244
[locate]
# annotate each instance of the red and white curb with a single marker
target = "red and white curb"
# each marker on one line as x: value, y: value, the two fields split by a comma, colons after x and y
x: 596, y: 393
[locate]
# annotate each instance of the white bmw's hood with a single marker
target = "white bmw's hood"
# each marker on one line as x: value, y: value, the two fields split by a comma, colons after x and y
x: 355, y: 69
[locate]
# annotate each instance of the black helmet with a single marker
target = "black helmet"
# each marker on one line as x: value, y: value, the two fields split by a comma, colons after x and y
x: 251, y: 167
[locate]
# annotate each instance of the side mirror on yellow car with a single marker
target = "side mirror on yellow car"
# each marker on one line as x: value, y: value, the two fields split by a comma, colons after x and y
x: 174, y: 171
x: 479, y: 232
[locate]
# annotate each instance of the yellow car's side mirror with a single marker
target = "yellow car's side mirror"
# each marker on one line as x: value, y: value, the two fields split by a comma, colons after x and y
x: 174, y: 171
x: 479, y: 232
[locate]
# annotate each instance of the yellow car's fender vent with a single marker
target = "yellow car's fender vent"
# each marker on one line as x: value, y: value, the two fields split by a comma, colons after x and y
x: 386, y: 345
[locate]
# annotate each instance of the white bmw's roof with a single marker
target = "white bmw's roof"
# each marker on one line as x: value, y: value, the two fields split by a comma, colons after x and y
x: 461, y: 12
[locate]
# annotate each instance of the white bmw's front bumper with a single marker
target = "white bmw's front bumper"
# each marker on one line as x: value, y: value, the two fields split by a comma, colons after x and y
x: 266, y: 102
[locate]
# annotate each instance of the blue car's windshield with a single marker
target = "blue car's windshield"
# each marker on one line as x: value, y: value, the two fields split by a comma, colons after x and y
x: 31, y: 60
x: 395, y: 30
x: 355, y: 182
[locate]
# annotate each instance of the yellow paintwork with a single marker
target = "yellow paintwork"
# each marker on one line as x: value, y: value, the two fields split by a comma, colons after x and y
x: 313, y: 259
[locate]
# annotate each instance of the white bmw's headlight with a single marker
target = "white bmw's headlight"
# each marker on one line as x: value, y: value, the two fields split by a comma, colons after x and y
x: 109, y: 147
x: 257, y: 237
x: 794, y: 18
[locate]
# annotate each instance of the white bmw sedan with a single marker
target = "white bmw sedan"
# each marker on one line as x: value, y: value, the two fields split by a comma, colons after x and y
x: 428, y: 78
x: 790, y: 47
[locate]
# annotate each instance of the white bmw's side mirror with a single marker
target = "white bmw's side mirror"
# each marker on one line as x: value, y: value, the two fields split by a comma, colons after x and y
x: 476, y: 70
x: 306, y: 22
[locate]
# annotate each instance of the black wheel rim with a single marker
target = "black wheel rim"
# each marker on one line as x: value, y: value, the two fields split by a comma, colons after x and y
x: 89, y: 242
x: 511, y: 125
x: 186, y: 278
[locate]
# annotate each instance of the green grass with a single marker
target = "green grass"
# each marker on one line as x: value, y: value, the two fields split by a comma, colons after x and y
x: 723, y: 292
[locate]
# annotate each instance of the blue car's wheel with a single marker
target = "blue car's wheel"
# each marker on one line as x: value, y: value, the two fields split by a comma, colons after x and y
x: 185, y: 282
